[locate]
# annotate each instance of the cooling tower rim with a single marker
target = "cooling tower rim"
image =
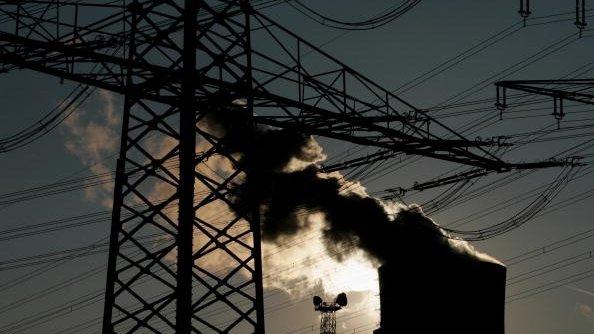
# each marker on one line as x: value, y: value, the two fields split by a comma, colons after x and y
x: 472, y: 261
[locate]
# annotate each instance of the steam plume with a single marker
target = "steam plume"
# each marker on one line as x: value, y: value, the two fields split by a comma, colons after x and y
x: 91, y: 138
x: 291, y: 186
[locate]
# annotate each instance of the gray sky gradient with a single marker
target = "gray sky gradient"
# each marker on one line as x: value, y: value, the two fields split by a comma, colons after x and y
x: 391, y: 55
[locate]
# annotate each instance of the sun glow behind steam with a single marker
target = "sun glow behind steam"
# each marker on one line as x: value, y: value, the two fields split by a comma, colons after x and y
x: 303, y: 268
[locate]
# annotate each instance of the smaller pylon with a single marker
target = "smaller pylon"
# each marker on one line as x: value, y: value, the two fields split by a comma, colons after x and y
x: 328, y: 312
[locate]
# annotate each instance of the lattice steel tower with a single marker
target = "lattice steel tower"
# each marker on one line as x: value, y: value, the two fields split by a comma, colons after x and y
x: 184, y: 257
x: 328, y: 322
x: 328, y: 312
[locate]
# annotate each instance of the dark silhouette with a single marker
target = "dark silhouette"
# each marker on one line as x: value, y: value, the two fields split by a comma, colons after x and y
x: 442, y: 294
x: 428, y: 283
x: 201, y: 58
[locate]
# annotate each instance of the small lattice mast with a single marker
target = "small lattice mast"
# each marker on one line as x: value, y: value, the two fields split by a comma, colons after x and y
x: 328, y: 312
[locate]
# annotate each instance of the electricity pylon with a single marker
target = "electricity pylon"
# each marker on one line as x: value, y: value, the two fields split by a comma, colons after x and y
x: 174, y: 61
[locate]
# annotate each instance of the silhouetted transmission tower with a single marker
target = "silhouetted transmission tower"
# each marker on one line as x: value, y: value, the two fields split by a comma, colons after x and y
x: 174, y: 62
x: 328, y: 312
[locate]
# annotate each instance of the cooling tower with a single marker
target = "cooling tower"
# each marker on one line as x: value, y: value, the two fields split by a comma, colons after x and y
x: 450, y: 294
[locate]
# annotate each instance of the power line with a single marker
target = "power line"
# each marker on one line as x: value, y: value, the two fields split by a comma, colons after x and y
x: 550, y: 247
x: 379, y: 20
x: 546, y: 269
x: 474, y: 50
x: 549, y: 286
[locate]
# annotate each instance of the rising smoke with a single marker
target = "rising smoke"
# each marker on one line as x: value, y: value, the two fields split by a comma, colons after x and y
x: 291, y: 187
x: 90, y: 139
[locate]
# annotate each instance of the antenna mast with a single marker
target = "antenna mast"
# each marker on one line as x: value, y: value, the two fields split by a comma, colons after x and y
x: 328, y: 312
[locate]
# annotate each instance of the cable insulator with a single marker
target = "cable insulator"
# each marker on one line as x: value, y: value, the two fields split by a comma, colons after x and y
x: 580, y: 15
x: 524, y: 10
x: 501, y: 101
x: 558, y: 112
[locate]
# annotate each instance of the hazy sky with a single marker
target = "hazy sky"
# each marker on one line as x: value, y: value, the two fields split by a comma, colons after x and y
x: 430, y: 34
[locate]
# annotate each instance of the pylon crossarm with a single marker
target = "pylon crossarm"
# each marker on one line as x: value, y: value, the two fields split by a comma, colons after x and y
x: 577, y: 90
x: 312, y: 78
x: 475, y: 173
x: 336, y: 122
x: 358, y: 104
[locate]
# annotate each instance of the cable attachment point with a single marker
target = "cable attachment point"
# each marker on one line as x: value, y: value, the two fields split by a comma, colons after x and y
x: 397, y: 192
x: 501, y: 141
x: 573, y: 161
x: 524, y: 10
x: 558, y: 112
x: 580, y: 16
x: 501, y: 102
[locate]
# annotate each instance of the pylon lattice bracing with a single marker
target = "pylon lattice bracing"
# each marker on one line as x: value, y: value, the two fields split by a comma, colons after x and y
x: 184, y: 257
